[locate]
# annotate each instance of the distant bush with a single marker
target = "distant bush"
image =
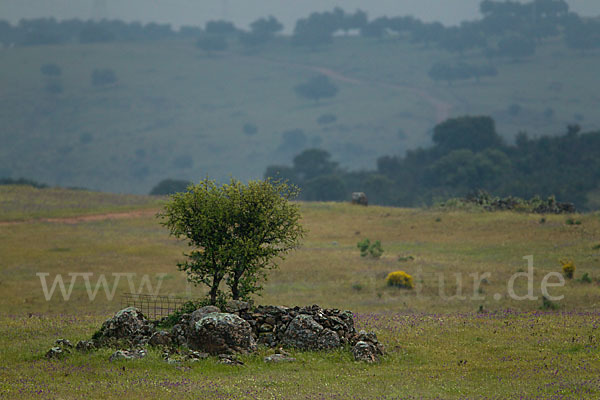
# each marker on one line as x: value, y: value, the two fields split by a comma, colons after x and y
x: 220, y: 27
x: 51, y: 70
x: 370, y: 249
x: 317, y: 88
x: 169, y: 186
x: 568, y: 268
x: 103, y: 77
x: 326, y: 119
x: 585, y: 278
x: 400, y: 279
x: 22, y: 181
x: 250, y: 129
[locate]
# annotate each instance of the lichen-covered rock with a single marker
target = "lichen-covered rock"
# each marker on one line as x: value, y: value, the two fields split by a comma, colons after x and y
x: 128, y: 324
x: 127, y: 354
x: 222, y: 333
x: 201, y: 313
x: 365, y: 351
x: 57, y: 352
x: 160, y: 338
x: 64, y: 343
x: 237, y: 306
x: 85, y: 345
x: 303, y: 332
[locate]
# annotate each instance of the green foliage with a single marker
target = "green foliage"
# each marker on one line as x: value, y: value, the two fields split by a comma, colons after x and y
x: 400, y: 279
x: 367, y: 248
x: 585, y: 278
x: 473, y: 133
x: 548, y: 304
x: 236, y: 231
x: 170, y: 186
x: 22, y: 181
x: 317, y: 88
x: 572, y: 221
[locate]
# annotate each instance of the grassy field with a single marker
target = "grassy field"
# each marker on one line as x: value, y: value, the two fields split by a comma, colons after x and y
x: 176, y: 112
x: 436, y: 347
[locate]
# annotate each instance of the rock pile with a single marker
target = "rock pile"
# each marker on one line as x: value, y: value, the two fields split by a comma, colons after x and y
x: 208, y: 331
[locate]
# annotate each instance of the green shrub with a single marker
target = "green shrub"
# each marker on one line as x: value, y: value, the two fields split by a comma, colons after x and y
x: 370, y: 249
x: 585, y: 278
x: 547, y: 304
x: 400, y: 279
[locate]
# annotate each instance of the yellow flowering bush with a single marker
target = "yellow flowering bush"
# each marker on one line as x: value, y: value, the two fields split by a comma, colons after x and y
x: 568, y: 268
x: 400, y: 279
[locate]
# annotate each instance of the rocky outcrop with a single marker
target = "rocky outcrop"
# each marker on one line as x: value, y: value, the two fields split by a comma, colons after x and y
x: 222, y: 333
x: 128, y: 325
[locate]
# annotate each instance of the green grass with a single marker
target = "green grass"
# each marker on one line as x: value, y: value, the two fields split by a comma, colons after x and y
x: 174, y: 103
x: 436, y: 348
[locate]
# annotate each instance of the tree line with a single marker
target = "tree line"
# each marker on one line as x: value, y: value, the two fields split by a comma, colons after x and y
x: 506, y: 29
x: 467, y: 155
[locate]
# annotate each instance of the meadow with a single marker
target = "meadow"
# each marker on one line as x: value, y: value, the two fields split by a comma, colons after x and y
x: 485, y: 346
x: 176, y: 112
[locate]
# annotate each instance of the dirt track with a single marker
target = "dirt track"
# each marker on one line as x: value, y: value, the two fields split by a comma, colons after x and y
x: 85, y: 218
x: 442, y: 108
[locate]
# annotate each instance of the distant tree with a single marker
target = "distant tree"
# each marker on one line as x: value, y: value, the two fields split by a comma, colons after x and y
x: 267, y: 26
x: 317, y: 88
x: 220, y: 27
x: 170, y: 186
x: 282, y: 173
x: 94, y: 33
x: 51, y: 70
x: 582, y: 35
x: 316, y: 30
x: 473, y: 133
x: 190, y: 31
x: 103, y: 77
x: 324, y: 188
x: 312, y: 163
x: 262, y: 31
x: 212, y: 43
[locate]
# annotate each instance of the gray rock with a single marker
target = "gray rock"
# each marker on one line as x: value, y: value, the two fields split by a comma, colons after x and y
x: 57, y: 352
x: 222, y: 333
x: 201, y: 313
x: 237, y: 306
x: 127, y: 355
x: 160, y: 338
x: 85, y: 345
x: 365, y: 351
x: 328, y: 340
x: 128, y: 324
x: 278, y: 358
x: 229, y: 359
x: 360, y: 198
x: 64, y: 343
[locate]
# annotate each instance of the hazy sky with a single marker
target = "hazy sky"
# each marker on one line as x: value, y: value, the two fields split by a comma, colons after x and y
x: 242, y: 12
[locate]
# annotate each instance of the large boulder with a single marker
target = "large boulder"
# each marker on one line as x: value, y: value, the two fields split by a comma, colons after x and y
x: 201, y: 313
x: 222, y: 333
x: 303, y: 332
x: 128, y: 324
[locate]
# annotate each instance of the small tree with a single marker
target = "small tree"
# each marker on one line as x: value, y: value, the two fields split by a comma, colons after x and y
x: 236, y: 231
x: 319, y: 87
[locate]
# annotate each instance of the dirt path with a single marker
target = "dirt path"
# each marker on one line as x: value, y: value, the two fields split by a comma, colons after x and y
x: 86, y: 218
x: 441, y: 107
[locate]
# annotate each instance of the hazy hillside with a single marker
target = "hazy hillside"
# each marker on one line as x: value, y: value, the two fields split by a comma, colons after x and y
x: 178, y: 112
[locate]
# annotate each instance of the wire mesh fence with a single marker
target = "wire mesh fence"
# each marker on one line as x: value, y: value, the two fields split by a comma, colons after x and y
x: 153, y: 307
